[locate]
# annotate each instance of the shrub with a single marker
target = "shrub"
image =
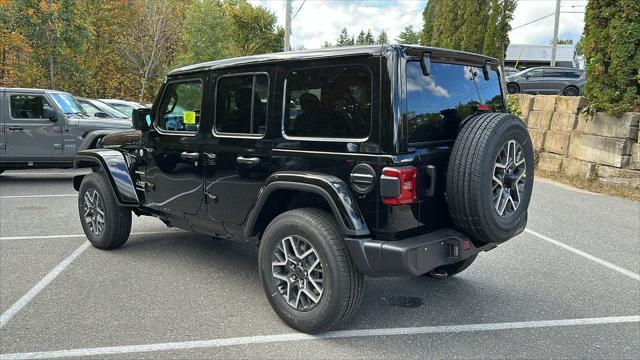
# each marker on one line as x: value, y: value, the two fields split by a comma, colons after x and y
x: 612, y: 52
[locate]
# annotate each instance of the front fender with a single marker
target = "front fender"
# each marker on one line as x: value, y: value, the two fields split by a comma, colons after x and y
x: 91, y: 137
x: 114, y: 165
x: 331, y: 188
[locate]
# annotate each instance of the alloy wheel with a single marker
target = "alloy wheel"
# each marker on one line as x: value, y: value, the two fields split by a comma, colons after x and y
x: 297, y: 272
x: 94, y: 216
x: 509, y: 175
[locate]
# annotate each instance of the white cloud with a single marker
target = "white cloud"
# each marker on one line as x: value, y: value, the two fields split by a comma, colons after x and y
x: 541, y: 32
x: 321, y: 20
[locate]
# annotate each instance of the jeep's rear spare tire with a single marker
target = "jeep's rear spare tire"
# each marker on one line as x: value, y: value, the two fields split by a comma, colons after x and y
x: 490, y: 177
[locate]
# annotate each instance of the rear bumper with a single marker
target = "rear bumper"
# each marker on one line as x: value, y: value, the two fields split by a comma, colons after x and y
x: 413, y: 256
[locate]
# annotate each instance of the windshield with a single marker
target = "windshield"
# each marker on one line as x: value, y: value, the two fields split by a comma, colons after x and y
x: 108, y: 109
x: 125, y: 109
x: 67, y: 104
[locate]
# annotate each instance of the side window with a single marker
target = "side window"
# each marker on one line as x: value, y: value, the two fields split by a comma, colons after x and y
x: 535, y: 73
x: 180, y: 107
x: 241, y: 104
x: 28, y: 106
x: 329, y: 102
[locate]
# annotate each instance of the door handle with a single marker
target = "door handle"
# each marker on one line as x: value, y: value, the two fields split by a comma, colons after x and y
x: 14, y: 128
x: 191, y: 156
x: 248, y: 160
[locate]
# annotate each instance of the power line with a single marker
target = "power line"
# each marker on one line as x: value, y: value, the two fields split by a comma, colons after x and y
x: 297, y: 11
x: 532, y: 21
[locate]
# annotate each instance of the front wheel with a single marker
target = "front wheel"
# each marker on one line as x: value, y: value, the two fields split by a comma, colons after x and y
x: 513, y: 88
x: 306, y: 271
x: 571, y: 91
x: 106, y: 225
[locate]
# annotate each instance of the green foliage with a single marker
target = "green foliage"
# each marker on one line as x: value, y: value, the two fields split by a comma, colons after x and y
x: 344, y: 39
x: 253, y: 29
x: 382, y: 38
x: 611, y: 46
x: 408, y: 36
x: 514, y: 105
x: 480, y: 26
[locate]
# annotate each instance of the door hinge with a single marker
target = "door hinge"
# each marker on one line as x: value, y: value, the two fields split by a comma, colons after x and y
x: 2, y: 146
x: 145, y: 186
x: 57, y: 146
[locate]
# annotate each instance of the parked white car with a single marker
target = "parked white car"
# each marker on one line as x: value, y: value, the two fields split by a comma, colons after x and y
x: 123, y: 105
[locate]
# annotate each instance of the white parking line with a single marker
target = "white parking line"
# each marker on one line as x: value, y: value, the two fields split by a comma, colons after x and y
x: 37, y: 196
x: 621, y: 270
x: 26, y: 298
x: 248, y: 340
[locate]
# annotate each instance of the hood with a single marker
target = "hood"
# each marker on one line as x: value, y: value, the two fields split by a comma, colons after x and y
x: 130, y: 137
x: 103, y: 123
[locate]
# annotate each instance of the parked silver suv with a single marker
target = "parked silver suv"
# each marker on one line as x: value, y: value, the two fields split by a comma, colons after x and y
x: 547, y: 80
x: 45, y: 128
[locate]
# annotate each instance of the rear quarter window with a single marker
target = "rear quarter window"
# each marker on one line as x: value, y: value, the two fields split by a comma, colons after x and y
x: 436, y: 104
x: 328, y: 103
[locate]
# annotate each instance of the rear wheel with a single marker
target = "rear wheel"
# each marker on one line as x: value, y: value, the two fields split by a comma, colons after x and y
x: 571, y: 91
x: 306, y: 271
x: 490, y: 177
x: 106, y: 225
x: 513, y: 88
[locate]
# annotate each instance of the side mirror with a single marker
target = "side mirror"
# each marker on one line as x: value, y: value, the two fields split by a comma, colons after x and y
x: 101, y: 114
x: 141, y: 119
x: 50, y: 114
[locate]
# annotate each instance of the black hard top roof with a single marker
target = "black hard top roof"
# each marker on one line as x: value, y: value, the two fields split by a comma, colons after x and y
x: 370, y: 50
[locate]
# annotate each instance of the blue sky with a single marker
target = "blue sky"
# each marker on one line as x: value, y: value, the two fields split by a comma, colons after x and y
x: 320, y: 20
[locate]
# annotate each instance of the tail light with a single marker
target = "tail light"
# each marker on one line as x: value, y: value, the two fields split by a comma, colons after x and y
x: 398, y: 185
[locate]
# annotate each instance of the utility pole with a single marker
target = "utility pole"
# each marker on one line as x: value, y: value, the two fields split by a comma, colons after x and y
x: 554, y: 47
x: 287, y: 28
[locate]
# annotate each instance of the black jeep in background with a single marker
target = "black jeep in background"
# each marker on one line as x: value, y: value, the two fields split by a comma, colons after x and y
x: 338, y: 163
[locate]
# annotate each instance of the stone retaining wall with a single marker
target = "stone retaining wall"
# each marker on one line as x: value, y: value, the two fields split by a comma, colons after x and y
x: 570, y: 141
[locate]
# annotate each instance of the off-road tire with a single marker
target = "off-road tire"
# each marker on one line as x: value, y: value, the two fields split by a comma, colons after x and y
x: 470, y: 174
x: 453, y: 269
x: 343, y: 283
x: 117, y: 220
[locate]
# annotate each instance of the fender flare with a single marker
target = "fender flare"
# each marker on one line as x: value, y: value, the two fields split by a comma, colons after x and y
x: 91, y: 136
x: 114, y: 165
x: 331, y: 188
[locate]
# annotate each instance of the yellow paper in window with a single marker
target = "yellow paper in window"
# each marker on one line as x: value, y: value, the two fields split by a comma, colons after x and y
x: 189, y: 117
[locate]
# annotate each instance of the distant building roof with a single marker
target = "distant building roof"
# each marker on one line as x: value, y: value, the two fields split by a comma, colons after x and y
x: 540, y: 53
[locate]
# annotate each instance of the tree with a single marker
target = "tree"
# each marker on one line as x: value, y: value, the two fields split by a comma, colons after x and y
x: 408, y: 36
x: 53, y: 29
x: 382, y: 38
x: 344, y: 39
x: 368, y: 38
x: 14, y: 48
x: 253, y: 29
x: 150, y: 39
x: 361, y: 39
x: 205, y: 33
x: 471, y: 25
x: 611, y: 47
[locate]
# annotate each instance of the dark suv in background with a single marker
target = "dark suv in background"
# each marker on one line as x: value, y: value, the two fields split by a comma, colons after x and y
x: 45, y: 128
x: 338, y: 163
x: 547, y: 80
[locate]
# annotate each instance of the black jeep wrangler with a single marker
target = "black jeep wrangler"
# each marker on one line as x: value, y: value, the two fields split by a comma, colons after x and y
x: 338, y: 163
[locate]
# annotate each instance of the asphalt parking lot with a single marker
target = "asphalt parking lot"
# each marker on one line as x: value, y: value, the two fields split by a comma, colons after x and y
x: 569, y: 287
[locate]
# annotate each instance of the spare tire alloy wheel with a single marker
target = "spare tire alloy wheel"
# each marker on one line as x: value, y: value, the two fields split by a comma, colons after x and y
x: 509, y: 176
x: 94, y: 215
x: 297, y: 273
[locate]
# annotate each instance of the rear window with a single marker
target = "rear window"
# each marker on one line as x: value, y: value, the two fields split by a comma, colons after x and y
x: 328, y: 102
x: 436, y: 104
